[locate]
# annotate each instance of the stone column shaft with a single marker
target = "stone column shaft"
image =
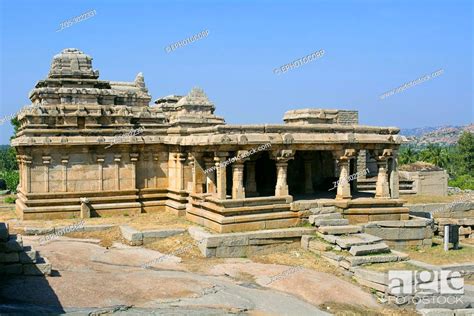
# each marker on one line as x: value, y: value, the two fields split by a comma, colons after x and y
x: 281, y: 188
x: 238, y: 190
x: 343, y: 187
x: 221, y: 178
x: 381, y: 187
x: 394, y: 180
x: 210, y: 177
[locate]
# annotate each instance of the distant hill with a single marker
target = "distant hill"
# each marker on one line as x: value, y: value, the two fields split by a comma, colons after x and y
x: 443, y: 135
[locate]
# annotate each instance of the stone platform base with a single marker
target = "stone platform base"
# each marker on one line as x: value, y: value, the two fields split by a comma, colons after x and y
x: 237, y: 245
x: 402, y: 234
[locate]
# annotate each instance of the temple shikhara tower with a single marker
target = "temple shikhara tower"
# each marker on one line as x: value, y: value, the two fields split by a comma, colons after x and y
x: 79, y: 158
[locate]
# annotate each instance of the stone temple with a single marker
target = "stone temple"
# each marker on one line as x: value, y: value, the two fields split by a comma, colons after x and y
x: 76, y: 162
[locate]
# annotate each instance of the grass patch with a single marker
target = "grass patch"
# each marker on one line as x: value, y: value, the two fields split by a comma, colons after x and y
x: 338, y: 309
x: 422, y: 199
x: 385, y: 267
x: 436, y: 255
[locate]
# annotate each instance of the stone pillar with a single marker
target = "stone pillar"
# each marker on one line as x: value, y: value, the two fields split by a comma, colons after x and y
x: 85, y: 208
x: 64, y: 162
x: 282, y: 158
x: 210, y: 175
x: 46, y: 162
x: 381, y: 187
x: 221, y: 175
x: 238, y: 190
x: 343, y: 187
x: 308, y: 178
x: 250, y: 183
x: 133, y: 160
x: 394, y: 178
x: 28, y: 161
x: 180, y: 160
x: 117, y: 159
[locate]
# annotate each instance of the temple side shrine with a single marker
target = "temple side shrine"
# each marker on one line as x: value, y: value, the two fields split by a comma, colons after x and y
x: 68, y: 168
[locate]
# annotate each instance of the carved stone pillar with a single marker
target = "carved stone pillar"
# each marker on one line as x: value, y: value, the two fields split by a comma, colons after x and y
x: 28, y: 161
x: 343, y: 163
x: 282, y: 158
x: 180, y: 160
x: 46, y: 162
x: 221, y: 175
x: 394, y: 178
x: 382, y: 187
x: 210, y: 175
x: 250, y: 183
x: 133, y: 160
x: 238, y: 190
x: 308, y: 178
x: 343, y: 186
x: 64, y: 162
x: 117, y: 159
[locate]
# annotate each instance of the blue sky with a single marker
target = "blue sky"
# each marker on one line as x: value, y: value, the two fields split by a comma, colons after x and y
x: 370, y: 48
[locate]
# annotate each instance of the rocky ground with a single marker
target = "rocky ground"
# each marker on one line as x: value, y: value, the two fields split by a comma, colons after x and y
x: 91, y: 279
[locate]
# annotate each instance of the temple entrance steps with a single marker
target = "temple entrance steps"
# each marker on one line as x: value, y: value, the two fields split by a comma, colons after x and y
x: 346, y: 245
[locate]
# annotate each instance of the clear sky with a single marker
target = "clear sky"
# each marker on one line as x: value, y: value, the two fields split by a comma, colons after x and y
x: 370, y: 48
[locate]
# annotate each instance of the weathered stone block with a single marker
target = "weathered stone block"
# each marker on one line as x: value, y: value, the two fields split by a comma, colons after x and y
x: 31, y: 231
x: 15, y: 268
x: 318, y: 245
x: 131, y: 235
x: 369, y: 249
x: 41, y: 267
x: 331, y: 222
x: 4, y: 232
x: 9, y: 257
x: 162, y: 233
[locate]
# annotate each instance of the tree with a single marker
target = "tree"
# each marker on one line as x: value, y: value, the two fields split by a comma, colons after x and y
x: 466, y: 153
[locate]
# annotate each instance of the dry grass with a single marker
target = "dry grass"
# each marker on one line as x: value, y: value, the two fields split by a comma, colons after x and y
x: 144, y: 221
x: 436, y: 255
x: 351, y: 310
x: 298, y: 257
x: 385, y: 267
x: 107, y: 237
x: 7, y: 215
x: 422, y: 199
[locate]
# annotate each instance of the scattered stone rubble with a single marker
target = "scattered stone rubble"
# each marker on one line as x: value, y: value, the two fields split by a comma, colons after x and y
x: 15, y: 258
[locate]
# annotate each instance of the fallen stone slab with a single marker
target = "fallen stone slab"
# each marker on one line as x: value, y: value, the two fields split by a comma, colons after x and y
x: 340, y: 230
x: 363, y: 250
x: 162, y: 233
x: 357, y: 261
x: 318, y: 246
x: 33, y: 231
x: 329, y: 238
x: 131, y: 235
x: 96, y: 228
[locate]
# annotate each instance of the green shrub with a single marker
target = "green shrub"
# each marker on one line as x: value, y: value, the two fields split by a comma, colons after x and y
x: 463, y: 182
x: 10, y: 200
x: 11, y: 178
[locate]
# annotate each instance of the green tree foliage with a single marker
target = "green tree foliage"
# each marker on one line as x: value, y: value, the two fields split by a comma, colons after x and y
x: 457, y: 160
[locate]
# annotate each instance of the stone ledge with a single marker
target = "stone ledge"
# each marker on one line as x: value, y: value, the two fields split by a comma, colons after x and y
x: 135, y: 237
x: 239, y: 244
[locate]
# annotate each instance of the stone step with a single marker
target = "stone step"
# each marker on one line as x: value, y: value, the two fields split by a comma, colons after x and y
x: 323, y: 210
x: 41, y: 267
x: 331, y: 222
x: 346, y: 242
x: 359, y: 260
x: 313, y: 218
x: 14, y: 244
x: 28, y: 255
x: 340, y: 230
x: 371, y: 249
